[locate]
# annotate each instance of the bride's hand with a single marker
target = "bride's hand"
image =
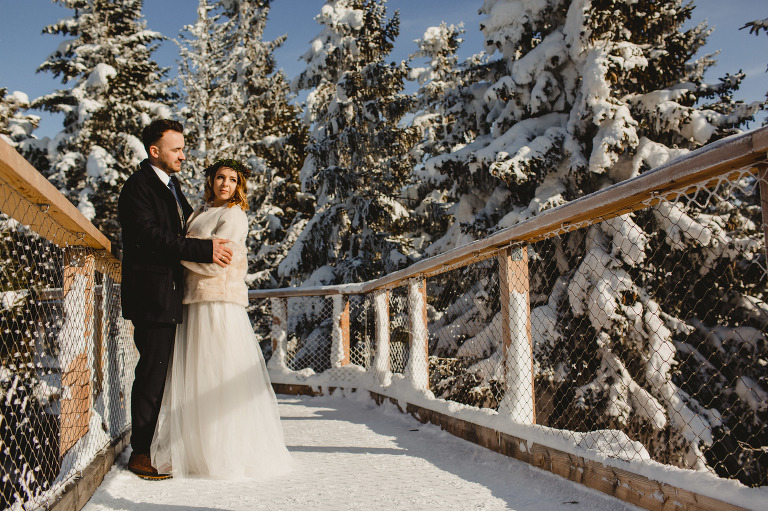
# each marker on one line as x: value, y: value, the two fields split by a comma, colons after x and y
x: 222, y: 255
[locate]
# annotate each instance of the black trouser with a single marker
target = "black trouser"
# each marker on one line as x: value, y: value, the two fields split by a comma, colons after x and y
x: 155, y: 344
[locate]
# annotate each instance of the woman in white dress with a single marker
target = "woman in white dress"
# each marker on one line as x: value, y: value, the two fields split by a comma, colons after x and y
x: 219, y: 416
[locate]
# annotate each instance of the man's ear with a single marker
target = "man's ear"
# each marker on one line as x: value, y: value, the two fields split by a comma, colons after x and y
x: 154, y: 152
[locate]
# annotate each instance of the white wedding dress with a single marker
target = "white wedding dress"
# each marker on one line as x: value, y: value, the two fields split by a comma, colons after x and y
x: 219, y: 416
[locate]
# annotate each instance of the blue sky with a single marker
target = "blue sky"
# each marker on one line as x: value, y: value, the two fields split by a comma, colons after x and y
x: 23, y: 48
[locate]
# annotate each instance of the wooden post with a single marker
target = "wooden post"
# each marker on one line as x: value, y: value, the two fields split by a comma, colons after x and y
x: 381, y: 362
x: 279, y: 333
x: 344, y: 325
x: 340, y: 334
x: 417, y: 369
x: 762, y: 176
x: 516, y: 330
x: 77, y: 332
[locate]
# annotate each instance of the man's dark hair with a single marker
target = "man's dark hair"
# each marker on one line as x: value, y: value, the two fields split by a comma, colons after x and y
x: 156, y: 129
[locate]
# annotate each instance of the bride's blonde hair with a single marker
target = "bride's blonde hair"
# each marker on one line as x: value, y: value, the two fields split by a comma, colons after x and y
x: 240, y: 197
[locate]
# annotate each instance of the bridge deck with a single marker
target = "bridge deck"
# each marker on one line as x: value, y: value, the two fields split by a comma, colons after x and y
x: 353, y: 454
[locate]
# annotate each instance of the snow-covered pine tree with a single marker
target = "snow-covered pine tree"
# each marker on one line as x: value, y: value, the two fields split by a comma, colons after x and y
x: 16, y: 127
x: 238, y: 106
x: 754, y: 28
x: 586, y: 93
x: 205, y: 74
x: 118, y: 89
x: 440, y: 81
x: 357, y: 159
x: 267, y: 132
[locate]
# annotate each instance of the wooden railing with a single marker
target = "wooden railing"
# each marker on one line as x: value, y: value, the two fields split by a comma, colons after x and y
x: 28, y: 193
x: 64, y: 270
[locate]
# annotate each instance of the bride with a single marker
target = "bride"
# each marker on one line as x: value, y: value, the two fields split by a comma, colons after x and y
x: 219, y: 416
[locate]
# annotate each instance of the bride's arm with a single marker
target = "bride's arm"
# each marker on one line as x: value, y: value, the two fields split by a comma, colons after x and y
x: 233, y: 226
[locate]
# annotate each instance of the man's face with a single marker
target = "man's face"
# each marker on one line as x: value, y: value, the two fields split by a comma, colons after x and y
x: 168, y: 152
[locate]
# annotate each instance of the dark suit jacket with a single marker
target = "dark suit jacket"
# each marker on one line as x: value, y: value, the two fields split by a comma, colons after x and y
x: 154, y: 245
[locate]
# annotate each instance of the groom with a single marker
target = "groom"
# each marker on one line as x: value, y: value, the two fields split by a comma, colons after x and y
x: 153, y: 213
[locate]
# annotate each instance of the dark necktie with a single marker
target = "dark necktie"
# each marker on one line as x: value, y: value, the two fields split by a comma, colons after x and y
x: 173, y: 190
x: 178, y: 201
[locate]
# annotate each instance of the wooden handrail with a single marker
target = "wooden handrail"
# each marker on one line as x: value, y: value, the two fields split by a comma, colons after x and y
x: 28, y: 194
x: 286, y: 292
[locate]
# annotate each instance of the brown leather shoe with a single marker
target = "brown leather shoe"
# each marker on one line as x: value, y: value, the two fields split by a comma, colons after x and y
x: 141, y: 465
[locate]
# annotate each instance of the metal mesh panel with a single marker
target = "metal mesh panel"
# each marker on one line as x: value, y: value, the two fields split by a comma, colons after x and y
x: 309, y: 333
x: 260, y: 314
x: 30, y: 379
x: 466, y: 352
x: 361, y: 330
x: 652, y: 326
x: 66, y: 355
x: 399, y: 325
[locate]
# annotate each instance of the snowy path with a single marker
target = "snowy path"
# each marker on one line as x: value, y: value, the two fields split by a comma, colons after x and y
x: 353, y: 454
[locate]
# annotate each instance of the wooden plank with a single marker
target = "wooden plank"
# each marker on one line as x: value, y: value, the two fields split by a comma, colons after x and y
x: 108, y: 265
x: 424, y: 319
x: 429, y: 267
x: 519, y: 398
x: 90, y: 480
x: 505, y: 287
x: 80, y: 489
x: 76, y: 408
x: 514, y: 447
x: 254, y: 294
x: 381, y: 361
x: 49, y: 213
x: 67, y: 502
x: 418, y: 364
x: 277, y: 321
x: 293, y: 389
x: 344, y: 327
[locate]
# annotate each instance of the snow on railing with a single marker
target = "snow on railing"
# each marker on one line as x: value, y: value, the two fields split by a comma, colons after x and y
x: 66, y: 355
x: 630, y: 322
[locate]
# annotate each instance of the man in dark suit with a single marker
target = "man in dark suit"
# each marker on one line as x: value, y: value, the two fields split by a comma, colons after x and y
x: 153, y: 214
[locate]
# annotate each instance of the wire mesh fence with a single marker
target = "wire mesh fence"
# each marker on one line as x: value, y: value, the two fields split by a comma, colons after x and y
x: 641, y: 336
x: 66, y: 355
x: 329, y: 335
x: 652, y: 325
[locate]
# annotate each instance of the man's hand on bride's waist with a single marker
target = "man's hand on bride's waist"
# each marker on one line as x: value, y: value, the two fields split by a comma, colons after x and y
x: 222, y: 254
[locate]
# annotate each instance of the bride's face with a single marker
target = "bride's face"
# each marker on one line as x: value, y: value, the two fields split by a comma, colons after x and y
x: 224, y: 185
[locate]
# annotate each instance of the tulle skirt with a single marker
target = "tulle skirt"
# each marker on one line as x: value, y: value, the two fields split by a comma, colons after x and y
x: 219, y: 415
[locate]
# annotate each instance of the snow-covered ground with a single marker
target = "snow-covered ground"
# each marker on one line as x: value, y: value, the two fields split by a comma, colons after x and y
x: 353, y: 454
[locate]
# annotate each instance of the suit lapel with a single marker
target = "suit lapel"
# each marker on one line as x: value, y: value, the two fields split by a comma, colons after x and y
x: 166, y: 194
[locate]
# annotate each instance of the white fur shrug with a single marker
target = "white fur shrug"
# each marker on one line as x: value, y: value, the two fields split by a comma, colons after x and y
x: 209, y: 282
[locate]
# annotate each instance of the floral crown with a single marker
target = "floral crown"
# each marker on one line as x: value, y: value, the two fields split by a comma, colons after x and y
x: 231, y: 163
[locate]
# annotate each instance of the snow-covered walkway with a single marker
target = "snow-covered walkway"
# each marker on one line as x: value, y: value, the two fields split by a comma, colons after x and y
x: 353, y: 454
